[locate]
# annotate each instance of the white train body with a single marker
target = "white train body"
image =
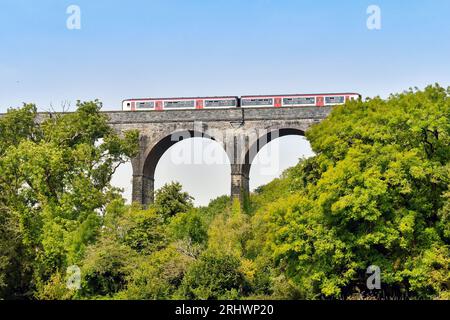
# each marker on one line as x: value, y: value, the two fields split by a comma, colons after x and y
x: 229, y: 102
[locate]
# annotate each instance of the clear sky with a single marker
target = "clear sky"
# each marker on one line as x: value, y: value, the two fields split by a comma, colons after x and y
x: 217, y: 47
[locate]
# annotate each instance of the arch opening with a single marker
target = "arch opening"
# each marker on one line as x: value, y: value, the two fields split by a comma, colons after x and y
x: 275, y: 152
x: 194, y: 159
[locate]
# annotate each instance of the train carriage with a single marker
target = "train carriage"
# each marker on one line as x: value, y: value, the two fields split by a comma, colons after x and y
x: 297, y: 100
x: 228, y: 102
x: 180, y: 103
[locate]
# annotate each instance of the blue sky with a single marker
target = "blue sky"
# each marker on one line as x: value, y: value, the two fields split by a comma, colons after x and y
x: 218, y: 47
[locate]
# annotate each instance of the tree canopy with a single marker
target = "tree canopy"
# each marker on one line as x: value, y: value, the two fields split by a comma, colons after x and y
x: 54, y: 187
x: 376, y: 193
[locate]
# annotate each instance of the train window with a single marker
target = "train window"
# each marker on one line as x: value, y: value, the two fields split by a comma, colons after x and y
x: 220, y: 103
x: 145, y: 105
x: 180, y: 104
x: 257, y: 102
x: 128, y: 104
x: 299, y: 101
x: 338, y: 99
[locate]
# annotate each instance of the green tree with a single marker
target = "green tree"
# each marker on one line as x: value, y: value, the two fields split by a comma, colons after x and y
x: 157, y: 276
x: 376, y: 196
x: 15, y: 258
x: 189, y: 226
x: 106, y: 268
x: 10, y: 255
x: 213, y: 276
x: 376, y: 193
x: 55, y: 185
x: 141, y: 230
x: 170, y: 200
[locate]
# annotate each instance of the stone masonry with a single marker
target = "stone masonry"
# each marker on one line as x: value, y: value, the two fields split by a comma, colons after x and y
x: 241, y: 132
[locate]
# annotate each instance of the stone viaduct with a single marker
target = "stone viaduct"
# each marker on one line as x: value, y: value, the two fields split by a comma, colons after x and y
x: 241, y: 132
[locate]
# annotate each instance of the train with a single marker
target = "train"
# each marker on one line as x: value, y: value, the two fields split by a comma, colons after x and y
x: 229, y: 102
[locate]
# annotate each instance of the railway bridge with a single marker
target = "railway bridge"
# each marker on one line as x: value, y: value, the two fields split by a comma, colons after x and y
x: 242, y: 132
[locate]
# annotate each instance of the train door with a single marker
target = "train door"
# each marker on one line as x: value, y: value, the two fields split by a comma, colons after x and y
x: 199, y: 104
x: 158, y: 105
x: 320, y: 102
x: 277, y: 102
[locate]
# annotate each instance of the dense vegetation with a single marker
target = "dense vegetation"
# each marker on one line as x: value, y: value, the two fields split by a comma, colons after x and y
x: 376, y: 193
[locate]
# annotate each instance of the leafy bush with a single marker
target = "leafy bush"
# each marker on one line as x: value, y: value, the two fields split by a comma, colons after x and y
x: 170, y: 200
x: 106, y: 268
x: 213, y: 276
x: 157, y: 276
x: 190, y: 225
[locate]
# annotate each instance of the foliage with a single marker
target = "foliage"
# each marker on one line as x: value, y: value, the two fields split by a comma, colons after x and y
x: 214, y: 276
x: 377, y: 196
x: 54, y: 184
x: 132, y: 258
x: 10, y: 249
x: 377, y: 192
x: 157, y: 276
x: 55, y: 289
x: 141, y: 230
x: 229, y: 231
x: 189, y: 226
x: 170, y: 200
x: 106, y: 268
x: 215, y: 207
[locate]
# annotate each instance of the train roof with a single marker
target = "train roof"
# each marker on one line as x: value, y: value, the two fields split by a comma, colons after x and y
x: 184, y: 98
x: 249, y: 96
x: 302, y: 95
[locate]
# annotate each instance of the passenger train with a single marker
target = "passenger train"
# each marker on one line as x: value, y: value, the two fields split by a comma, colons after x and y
x: 274, y: 101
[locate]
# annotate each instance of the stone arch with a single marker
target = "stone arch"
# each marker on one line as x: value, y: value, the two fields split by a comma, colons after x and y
x: 144, y: 171
x: 255, y: 145
x: 267, y: 136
